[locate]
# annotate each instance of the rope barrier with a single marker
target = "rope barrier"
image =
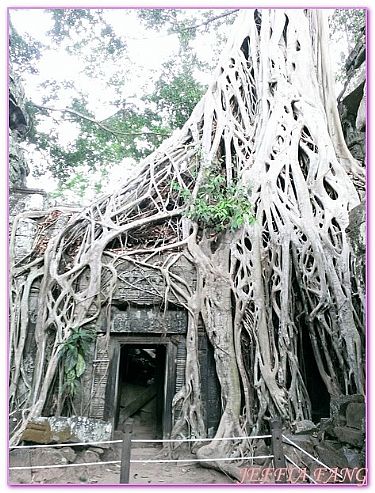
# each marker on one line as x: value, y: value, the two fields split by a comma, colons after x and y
x: 73, y: 444
x: 84, y: 464
x: 295, y: 465
x: 201, y: 460
x: 200, y: 439
x: 311, y: 456
x: 18, y: 468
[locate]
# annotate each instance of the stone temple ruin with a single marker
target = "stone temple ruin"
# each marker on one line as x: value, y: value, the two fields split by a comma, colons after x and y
x: 137, y: 363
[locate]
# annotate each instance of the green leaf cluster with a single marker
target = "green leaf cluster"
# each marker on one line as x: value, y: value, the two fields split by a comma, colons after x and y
x: 73, y: 354
x: 217, y: 206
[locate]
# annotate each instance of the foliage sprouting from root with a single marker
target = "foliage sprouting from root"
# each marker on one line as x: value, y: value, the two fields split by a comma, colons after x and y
x: 267, y: 123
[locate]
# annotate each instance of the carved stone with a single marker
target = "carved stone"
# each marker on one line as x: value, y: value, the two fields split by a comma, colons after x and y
x: 148, y: 320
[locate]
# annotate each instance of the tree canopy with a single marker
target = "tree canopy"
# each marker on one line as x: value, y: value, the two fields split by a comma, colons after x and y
x: 136, y: 119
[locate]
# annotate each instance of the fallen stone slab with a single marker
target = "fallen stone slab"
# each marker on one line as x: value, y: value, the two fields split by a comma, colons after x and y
x: 306, y: 442
x: 20, y: 458
x: 45, y: 430
x: 69, y: 453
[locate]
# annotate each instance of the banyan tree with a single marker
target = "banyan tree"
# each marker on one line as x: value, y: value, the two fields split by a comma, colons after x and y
x: 254, y: 192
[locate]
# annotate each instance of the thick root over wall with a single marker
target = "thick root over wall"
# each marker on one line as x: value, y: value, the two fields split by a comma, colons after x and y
x: 267, y: 123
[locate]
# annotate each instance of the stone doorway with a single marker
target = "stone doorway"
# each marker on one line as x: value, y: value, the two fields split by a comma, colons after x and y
x: 141, y: 383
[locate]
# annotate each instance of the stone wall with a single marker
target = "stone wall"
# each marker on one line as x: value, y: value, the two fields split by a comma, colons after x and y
x: 18, y: 168
x: 352, y: 101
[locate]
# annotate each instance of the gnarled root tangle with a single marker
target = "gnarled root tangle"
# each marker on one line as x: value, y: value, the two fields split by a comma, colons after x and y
x: 267, y: 122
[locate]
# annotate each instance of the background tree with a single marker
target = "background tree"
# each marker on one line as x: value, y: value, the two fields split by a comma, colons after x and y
x: 137, y: 125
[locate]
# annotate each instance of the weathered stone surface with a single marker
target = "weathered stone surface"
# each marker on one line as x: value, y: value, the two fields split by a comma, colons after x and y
x: 18, y: 168
x: 306, y: 442
x: 352, y: 100
x: 357, y: 230
x: 63, y: 429
x: 69, y: 453
x: 353, y: 457
x: 20, y: 458
x: 42, y: 433
x: 23, y: 200
x: 304, y: 427
x: 360, y: 122
x: 339, y: 404
x: 47, y: 457
x: 350, y: 435
x: 99, y: 450
x: 146, y: 286
x: 149, y: 320
x: 355, y: 415
x: 18, y: 122
x: 331, y: 457
x: 349, y: 108
x: 88, y: 456
x: 325, y: 427
x: 261, y: 449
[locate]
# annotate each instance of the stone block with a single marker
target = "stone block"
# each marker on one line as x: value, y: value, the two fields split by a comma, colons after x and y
x: 325, y: 427
x: 67, y: 429
x: 69, y: 453
x: 331, y: 457
x: 41, y: 433
x: 306, y: 442
x: 261, y: 449
x: 350, y: 435
x: 304, y: 427
x: 98, y: 450
x: 88, y: 456
x: 354, y: 458
x: 355, y: 415
x: 339, y: 404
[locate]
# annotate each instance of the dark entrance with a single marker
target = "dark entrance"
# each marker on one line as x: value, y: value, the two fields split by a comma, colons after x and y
x: 319, y: 396
x: 141, y: 384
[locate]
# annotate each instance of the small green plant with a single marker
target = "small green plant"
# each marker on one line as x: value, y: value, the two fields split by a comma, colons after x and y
x: 73, y: 353
x: 217, y: 206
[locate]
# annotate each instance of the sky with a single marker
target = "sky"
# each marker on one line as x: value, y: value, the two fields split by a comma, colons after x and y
x: 146, y: 52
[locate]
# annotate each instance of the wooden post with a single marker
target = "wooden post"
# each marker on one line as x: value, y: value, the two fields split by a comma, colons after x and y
x: 277, y: 451
x: 126, y: 451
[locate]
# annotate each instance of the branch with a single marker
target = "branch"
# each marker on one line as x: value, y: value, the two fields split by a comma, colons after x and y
x: 191, y: 28
x: 96, y: 122
x: 212, y: 19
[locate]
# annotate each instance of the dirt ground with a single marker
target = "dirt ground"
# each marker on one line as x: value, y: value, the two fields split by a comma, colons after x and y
x: 140, y: 472
x: 157, y: 473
